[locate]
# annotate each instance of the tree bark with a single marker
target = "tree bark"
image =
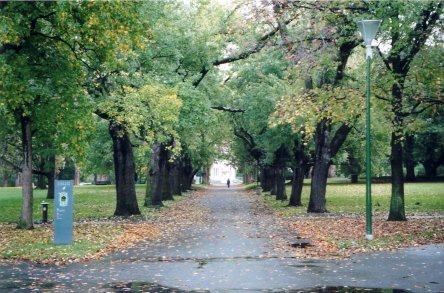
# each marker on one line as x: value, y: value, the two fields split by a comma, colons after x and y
x: 51, y: 178
x: 187, y: 174
x: 206, y: 175
x: 174, y: 179
x: 267, y: 178
x: 409, y: 160
x: 156, y: 175
x: 317, y: 203
x: 26, y: 221
x: 397, y: 210
x: 165, y: 173
x: 147, y: 201
x: 124, y: 169
x: 325, y: 149
x: 281, y: 193
x: 354, y: 178
x: 281, y: 156
x: 296, y: 187
x: 18, y: 180
x: 431, y: 169
x: 51, y: 175
x: 273, y: 181
x: 41, y: 182
x: 76, y: 174
x: 298, y: 174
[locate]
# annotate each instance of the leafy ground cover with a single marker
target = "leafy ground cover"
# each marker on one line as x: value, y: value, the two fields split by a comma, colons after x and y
x: 96, y: 232
x: 341, y: 233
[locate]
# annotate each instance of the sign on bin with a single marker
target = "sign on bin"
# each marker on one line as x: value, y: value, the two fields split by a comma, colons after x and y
x: 63, y: 205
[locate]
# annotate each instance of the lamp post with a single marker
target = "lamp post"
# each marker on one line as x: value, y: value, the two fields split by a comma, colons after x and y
x: 368, y: 29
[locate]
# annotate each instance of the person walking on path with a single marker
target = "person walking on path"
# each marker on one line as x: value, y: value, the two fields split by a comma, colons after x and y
x: 228, y: 182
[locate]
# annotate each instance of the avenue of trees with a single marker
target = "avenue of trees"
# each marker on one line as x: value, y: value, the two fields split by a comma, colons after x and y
x: 160, y: 89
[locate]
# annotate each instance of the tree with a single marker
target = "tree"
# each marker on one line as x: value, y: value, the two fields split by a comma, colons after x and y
x: 323, y: 51
x: 36, y: 73
x: 407, y: 28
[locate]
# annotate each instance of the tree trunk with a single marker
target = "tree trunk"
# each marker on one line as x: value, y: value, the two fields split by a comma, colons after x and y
x: 325, y: 149
x: 273, y: 181
x: 354, y: 178
x: 281, y: 193
x: 397, y: 211
x: 124, y: 169
x: 18, y: 180
x: 156, y: 175
x: 299, y: 167
x: 175, y: 179
x: 430, y: 168
x: 76, y: 174
x: 409, y: 160
x: 206, y: 175
x: 41, y: 182
x: 5, y: 181
x: 267, y: 178
x: 187, y: 174
x: 51, y: 176
x: 26, y: 221
x: 322, y: 159
x: 165, y: 171
x: 147, y: 201
x: 296, y: 187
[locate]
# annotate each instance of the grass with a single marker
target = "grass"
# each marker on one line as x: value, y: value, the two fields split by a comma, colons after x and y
x: 37, y: 244
x: 91, y: 237
x: 345, y: 197
x: 90, y: 202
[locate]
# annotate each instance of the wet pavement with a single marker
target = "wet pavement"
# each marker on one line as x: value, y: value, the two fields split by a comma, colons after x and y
x: 230, y: 250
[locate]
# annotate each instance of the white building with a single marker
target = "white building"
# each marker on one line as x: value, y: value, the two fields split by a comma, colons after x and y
x: 220, y: 171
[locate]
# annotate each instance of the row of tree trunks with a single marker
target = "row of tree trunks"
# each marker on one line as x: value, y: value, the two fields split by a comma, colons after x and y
x: 166, y: 177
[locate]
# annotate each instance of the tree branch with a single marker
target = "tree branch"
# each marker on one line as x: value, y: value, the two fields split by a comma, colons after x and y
x: 231, y: 110
x: 387, y: 64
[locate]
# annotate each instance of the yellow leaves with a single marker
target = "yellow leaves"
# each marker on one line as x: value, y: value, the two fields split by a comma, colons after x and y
x: 304, y: 110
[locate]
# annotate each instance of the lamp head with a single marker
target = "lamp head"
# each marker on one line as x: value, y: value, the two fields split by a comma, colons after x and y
x: 368, y: 29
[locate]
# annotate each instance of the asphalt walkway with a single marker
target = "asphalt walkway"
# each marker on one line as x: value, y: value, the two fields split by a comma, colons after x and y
x: 229, y: 250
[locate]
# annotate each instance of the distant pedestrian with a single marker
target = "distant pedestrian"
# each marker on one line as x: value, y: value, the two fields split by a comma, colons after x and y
x: 228, y: 182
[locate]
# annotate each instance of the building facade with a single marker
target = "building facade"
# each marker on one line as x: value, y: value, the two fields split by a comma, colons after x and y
x: 220, y: 171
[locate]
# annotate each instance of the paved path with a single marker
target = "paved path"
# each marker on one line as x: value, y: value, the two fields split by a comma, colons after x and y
x: 229, y: 250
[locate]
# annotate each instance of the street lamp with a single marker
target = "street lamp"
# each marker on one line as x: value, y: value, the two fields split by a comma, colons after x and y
x: 368, y: 29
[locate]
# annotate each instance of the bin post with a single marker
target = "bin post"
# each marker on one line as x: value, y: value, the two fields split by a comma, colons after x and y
x: 45, y: 212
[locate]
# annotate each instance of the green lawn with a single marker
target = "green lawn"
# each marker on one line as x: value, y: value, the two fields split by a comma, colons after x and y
x: 345, y: 197
x: 90, y: 202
